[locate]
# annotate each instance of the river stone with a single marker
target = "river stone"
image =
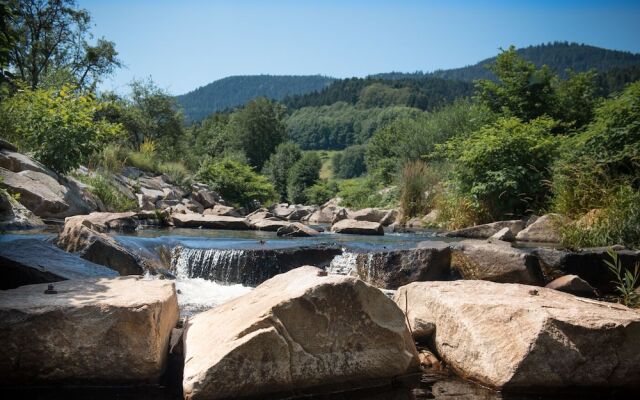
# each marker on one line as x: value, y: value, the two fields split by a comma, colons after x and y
x: 97, y: 247
x: 268, y: 224
x: 296, y: 332
x: 99, y: 331
x: 368, y: 214
x: 394, y: 268
x: 282, y: 210
x: 296, y: 229
x: 519, y: 337
x: 504, y: 235
x: 572, y: 284
x: 543, y: 229
x: 497, y: 262
x: 106, y: 221
x: 209, y: 222
x: 300, y: 212
x: 28, y: 261
x: 221, y: 210
x: 351, y: 226
x: 14, y: 215
x: 206, y: 197
x: 485, y: 231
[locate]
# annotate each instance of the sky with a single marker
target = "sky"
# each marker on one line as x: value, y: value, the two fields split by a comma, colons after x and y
x: 184, y: 44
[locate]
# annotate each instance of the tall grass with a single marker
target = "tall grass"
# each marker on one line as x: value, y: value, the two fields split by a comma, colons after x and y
x: 415, y: 181
x: 102, y: 188
x: 176, y: 172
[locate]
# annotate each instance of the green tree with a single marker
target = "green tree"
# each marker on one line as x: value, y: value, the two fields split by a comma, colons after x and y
x: 259, y: 128
x: 505, y: 166
x: 321, y: 192
x: 278, y: 166
x: 576, y: 98
x: 350, y: 163
x: 303, y: 174
x: 236, y: 182
x: 522, y: 90
x: 52, y: 35
x: 59, y: 127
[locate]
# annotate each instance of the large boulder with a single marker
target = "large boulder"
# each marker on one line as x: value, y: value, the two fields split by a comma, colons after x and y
x: 107, y: 221
x: 373, y: 215
x: 518, y: 337
x: 322, y: 216
x: 300, y: 212
x: 44, y: 195
x: 296, y: 332
x: 206, y: 197
x: 391, y: 269
x: 543, y: 230
x: 497, y: 262
x: 93, y: 332
x: 16, y: 162
x: 14, y: 215
x: 351, y: 226
x: 268, y: 224
x: 282, y: 210
x: 296, y: 229
x: 485, y: 231
x: 29, y: 261
x: 77, y: 236
x: 209, y: 222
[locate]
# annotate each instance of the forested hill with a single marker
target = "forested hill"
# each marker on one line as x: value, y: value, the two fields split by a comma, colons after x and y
x: 559, y: 56
x: 237, y: 90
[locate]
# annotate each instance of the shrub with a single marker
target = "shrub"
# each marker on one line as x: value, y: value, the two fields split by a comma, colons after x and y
x: 112, y: 158
x: 236, y: 182
x: 303, y: 174
x: 142, y: 161
x: 360, y: 193
x: 321, y: 192
x: 626, y: 281
x: 57, y: 126
x: 456, y: 210
x: 176, y: 172
x: 107, y: 192
x: 278, y: 166
x: 505, y: 167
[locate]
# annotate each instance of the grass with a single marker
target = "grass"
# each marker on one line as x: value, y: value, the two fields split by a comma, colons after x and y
x: 626, y: 281
x: 176, y: 172
x: 102, y: 188
x: 326, y: 171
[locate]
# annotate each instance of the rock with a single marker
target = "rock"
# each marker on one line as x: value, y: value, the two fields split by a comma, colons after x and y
x: 261, y: 213
x: 516, y: 337
x: 497, y: 262
x: 351, y: 226
x: 282, y: 210
x: 414, y: 222
x: 320, y: 217
x: 429, y: 362
x: 77, y: 237
x: 14, y: 215
x: 92, y: 332
x: 155, y: 183
x: 368, y: 214
x: 209, y: 222
x: 151, y: 195
x: 192, y: 206
x: 181, y: 209
x: 206, y: 197
x: 431, y: 218
x: 164, y: 204
x: 394, y: 268
x: 572, y: 284
x: 221, y: 210
x: 43, y: 195
x: 543, y: 229
x: 29, y: 261
x: 485, y: 231
x: 173, y: 193
x: 17, y: 162
x: 297, y: 331
x: 268, y: 224
x: 339, y: 215
x: 7, y: 145
x: 589, y: 264
x: 389, y: 218
x: 503, y: 235
x: 300, y: 212
x: 297, y: 229
x: 107, y: 221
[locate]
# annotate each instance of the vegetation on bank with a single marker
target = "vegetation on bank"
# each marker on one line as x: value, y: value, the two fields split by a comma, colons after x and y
x: 531, y: 139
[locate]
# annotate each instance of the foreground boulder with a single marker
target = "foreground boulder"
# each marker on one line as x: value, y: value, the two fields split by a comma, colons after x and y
x: 394, y: 268
x: 517, y: 337
x: 100, y: 331
x: 209, y: 222
x: 352, y: 226
x: 14, y: 215
x: 29, y: 261
x: 97, y: 247
x: 497, y: 262
x: 485, y: 231
x: 296, y: 332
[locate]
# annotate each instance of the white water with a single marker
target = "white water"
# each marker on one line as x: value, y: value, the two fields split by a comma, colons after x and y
x: 343, y: 264
x: 197, y: 294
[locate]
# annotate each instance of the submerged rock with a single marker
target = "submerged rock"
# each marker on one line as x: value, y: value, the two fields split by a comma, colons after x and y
x: 497, y: 262
x: 93, y: 332
x: 351, y: 226
x: 518, y: 337
x: 296, y: 332
x: 485, y: 231
x: 209, y: 222
x: 29, y: 261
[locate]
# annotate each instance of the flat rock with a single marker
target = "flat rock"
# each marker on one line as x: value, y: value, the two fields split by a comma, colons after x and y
x: 107, y: 221
x: 370, y: 214
x: 518, y: 337
x: 297, y: 331
x: 95, y: 332
x: 219, y: 209
x: 497, y: 262
x: 485, y: 231
x: 296, y: 229
x: 268, y: 224
x: 543, y: 229
x: 29, y: 261
x: 16, y: 162
x: 394, y: 268
x: 209, y: 222
x: 572, y: 284
x: 351, y: 226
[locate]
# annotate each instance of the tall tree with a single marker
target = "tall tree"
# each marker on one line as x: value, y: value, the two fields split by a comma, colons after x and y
x: 278, y: 166
x: 52, y: 36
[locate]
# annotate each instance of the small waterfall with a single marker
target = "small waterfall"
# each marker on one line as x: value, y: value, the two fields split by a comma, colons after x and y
x: 343, y: 264
x: 213, y: 264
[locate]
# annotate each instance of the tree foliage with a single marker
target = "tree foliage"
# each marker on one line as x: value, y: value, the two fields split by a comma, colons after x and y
x: 279, y: 164
x: 303, y: 174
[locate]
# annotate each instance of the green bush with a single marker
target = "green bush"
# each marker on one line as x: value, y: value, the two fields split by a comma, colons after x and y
x: 456, y: 210
x: 107, y: 192
x: 303, y: 174
x: 278, y: 166
x: 237, y: 182
x: 321, y: 192
x: 142, y: 161
x: 360, y: 193
x: 111, y: 158
x: 505, y: 167
x: 57, y: 126
x: 176, y: 172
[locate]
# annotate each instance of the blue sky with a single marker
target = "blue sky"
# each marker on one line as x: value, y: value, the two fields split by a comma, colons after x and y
x: 186, y: 44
